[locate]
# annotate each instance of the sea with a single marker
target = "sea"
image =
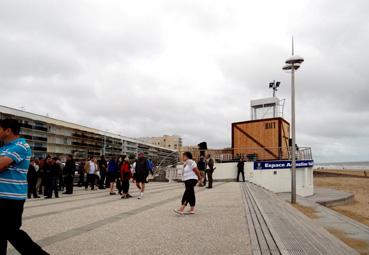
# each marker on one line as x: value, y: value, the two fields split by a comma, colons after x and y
x: 355, y: 166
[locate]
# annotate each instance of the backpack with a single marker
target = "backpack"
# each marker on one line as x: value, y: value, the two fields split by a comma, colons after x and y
x: 150, y: 165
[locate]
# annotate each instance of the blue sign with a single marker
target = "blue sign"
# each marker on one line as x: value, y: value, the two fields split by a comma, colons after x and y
x: 281, y: 164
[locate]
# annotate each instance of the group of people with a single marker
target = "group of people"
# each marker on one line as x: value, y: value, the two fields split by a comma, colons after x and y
x: 22, y: 176
x: 48, y: 176
x: 117, y: 172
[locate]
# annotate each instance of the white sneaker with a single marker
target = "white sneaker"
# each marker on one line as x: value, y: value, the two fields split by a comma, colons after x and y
x: 140, y: 196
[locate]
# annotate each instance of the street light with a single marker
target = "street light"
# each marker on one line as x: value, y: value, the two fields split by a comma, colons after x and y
x: 293, y: 63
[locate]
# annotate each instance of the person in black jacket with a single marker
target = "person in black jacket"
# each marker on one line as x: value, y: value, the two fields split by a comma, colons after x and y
x: 32, y: 180
x: 241, y: 169
x: 51, y: 171
x: 103, y: 165
x: 141, y: 173
x: 69, y: 170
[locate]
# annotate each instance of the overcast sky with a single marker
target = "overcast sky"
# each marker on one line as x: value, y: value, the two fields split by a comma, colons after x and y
x: 147, y: 68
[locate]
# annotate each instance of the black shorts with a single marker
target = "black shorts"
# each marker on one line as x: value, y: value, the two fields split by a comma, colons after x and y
x: 140, y: 178
x: 112, y: 177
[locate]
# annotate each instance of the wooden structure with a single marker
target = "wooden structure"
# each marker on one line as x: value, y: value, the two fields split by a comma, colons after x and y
x: 263, y: 139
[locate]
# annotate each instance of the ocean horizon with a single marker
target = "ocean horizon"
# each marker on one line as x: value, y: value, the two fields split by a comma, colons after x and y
x: 352, y: 165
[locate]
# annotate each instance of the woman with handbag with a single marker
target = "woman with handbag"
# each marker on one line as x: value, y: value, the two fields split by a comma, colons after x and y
x: 190, y: 175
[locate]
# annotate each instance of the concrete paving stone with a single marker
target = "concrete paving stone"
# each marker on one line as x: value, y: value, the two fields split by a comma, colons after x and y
x: 213, y: 230
x: 43, y: 227
x: 146, y: 226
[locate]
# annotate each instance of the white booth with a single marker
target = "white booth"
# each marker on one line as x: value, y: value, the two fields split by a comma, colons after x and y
x: 272, y: 175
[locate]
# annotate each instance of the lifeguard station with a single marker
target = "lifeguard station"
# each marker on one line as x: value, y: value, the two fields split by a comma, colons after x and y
x: 266, y: 136
x: 264, y: 142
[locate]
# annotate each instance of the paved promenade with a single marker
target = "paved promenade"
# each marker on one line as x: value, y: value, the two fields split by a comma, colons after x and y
x: 232, y: 218
x: 93, y: 222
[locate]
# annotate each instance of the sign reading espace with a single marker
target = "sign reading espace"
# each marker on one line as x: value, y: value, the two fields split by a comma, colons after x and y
x: 282, y: 164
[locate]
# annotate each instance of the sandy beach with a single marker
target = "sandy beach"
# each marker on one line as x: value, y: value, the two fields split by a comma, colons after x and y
x: 359, y: 186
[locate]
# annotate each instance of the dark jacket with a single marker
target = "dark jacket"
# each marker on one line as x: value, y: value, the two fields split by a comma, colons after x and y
x: 241, y: 165
x: 103, y: 165
x: 113, y: 166
x: 51, y: 171
x: 142, y: 168
x: 211, y: 164
x: 70, y: 168
x: 31, y: 174
x: 201, y: 165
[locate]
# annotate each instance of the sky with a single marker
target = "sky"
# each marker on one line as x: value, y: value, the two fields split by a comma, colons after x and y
x: 148, y: 68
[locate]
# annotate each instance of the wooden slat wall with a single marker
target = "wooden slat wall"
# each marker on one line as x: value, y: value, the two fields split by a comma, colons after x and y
x: 261, y: 137
x: 285, y: 139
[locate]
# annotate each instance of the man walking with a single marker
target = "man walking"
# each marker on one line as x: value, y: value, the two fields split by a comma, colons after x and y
x: 241, y: 169
x: 141, y: 173
x: 210, y: 170
x: 14, y: 163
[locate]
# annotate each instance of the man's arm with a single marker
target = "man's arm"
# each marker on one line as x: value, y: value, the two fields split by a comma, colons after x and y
x: 5, y: 162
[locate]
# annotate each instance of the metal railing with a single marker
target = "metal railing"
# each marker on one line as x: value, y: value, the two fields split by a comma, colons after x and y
x: 169, y: 169
x: 255, y: 153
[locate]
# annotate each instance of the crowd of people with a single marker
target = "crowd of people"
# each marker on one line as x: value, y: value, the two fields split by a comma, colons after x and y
x: 50, y: 175
x: 22, y: 176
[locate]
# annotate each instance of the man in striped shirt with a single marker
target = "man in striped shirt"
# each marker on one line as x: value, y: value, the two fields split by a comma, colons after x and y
x: 14, y: 162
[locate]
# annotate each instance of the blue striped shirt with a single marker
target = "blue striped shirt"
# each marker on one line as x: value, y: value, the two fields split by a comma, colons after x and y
x: 13, y: 181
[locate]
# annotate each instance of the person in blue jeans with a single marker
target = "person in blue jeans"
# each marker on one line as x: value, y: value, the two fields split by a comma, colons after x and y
x: 15, y: 158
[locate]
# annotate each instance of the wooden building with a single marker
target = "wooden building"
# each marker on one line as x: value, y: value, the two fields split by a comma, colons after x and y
x: 263, y: 139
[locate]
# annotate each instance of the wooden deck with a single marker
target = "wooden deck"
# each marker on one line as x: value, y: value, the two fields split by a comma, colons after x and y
x: 276, y: 227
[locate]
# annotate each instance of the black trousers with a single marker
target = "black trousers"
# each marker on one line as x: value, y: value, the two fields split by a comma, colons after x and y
x: 210, y: 177
x: 81, y: 180
x: 125, y: 186
x: 90, y: 180
x: 68, y: 181
x: 60, y: 182
x: 50, y: 186
x: 189, y: 194
x: 119, y: 186
x: 32, y: 187
x: 102, y: 179
x: 243, y: 175
x: 10, y: 221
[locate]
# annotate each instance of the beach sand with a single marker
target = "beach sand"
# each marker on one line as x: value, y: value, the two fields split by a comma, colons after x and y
x: 359, y: 209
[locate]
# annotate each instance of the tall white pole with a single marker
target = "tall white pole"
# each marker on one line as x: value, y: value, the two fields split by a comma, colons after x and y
x: 293, y: 131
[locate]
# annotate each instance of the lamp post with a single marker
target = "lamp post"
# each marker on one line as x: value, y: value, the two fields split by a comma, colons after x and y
x: 293, y: 63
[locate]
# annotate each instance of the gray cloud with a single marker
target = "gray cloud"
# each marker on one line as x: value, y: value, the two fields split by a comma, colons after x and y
x: 190, y: 68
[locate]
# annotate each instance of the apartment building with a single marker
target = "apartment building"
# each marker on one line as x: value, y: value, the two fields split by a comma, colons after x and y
x: 173, y: 142
x: 56, y: 137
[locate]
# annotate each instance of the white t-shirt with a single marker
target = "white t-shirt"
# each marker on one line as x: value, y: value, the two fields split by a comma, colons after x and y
x: 188, y: 172
x: 92, y: 167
